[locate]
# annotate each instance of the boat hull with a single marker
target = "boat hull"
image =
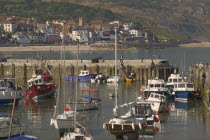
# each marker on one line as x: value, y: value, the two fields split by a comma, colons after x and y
x: 8, y: 97
x: 184, y: 95
x: 87, y: 106
x: 80, y: 78
x: 40, y: 92
x: 16, y: 130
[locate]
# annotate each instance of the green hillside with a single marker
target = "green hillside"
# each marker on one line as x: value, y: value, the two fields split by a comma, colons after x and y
x: 53, y: 10
x: 167, y: 18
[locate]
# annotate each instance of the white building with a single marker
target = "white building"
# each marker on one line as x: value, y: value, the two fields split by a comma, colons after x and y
x: 21, y: 38
x: 128, y: 26
x: 135, y: 33
x: 44, y: 28
x: 10, y: 27
x: 80, y: 35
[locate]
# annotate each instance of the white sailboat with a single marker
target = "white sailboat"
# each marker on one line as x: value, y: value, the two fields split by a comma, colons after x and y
x: 79, y: 132
x: 64, y: 120
x: 131, y: 122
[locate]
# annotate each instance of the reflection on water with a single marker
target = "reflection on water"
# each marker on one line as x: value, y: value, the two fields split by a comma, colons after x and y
x: 184, y: 120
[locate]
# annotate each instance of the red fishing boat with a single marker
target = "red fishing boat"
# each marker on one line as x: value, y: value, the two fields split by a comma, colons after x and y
x: 41, y: 86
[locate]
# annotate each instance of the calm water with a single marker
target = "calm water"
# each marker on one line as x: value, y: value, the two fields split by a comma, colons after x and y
x: 184, y: 121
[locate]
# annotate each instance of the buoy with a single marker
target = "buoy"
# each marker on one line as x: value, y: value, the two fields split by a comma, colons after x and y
x: 156, y: 119
x: 122, y: 127
x: 167, y: 108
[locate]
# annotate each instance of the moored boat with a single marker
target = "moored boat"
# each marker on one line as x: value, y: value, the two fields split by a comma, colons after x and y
x: 155, y: 86
x: 41, y: 85
x: 84, y: 75
x: 89, y: 101
x: 7, y: 92
x: 184, y: 91
x: 16, y: 130
x: 158, y: 102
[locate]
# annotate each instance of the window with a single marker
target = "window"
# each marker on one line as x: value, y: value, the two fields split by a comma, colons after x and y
x: 157, y: 85
x: 189, y: 85
x: 151, y: 85
x: 157, y: 96
x: 181, y: 86
x: 169, y: 80
x: 174, y: 80
x: 180, y: 79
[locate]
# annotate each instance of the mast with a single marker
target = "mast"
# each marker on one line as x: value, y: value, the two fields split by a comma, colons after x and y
x: 75, y: 114
x: 116, y: 88
x: 64, y: 64
x: 12, y: 115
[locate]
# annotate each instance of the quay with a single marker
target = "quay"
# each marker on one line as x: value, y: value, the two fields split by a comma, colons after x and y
x: 199, y: 75
x: 144, y: 68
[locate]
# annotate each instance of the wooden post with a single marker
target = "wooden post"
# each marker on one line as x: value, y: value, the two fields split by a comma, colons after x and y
x: 84, y: 67
x: 97, y: 69
x: 13, y: 71
x: 138, y: 74
x: 72, y: 70
x: 24, y: 72
x: 165, y: 76
x: 2, y: 69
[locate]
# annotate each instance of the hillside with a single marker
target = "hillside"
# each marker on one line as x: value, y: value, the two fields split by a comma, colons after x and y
x: 168, y: 19
x: 179, y: 19
x: 53, y: 10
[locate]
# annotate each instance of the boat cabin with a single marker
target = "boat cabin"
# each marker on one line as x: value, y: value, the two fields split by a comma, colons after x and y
x: 157, y: 83
x: 156, y: 97
x: 84, y: 73
x: 174, y: 78
x: 140, y: 108
x: 184, y: 86
x: 6, y: 84
x: 36, y: 80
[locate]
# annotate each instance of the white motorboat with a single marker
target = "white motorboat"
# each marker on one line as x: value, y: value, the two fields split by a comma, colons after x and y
x: 7, y: 92
x: 112, y: 79
x: 17, y: 127
x: 158, y: 102
x: 172, y: 80
x: 155, y: 86
x: 100, y: 78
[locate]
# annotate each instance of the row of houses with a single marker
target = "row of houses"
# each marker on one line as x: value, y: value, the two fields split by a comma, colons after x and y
x: 29, y: 30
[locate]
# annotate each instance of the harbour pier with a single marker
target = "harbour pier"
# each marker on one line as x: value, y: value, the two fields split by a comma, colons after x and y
x: 144, y: 68
x: 199, y: 75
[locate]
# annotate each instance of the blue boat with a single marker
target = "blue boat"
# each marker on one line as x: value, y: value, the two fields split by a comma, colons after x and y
x: 23, y: 138
x: 184, y: 91
x: 83, y: 76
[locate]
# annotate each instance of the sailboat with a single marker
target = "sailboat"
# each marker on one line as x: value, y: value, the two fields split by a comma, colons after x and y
x: 79, y: 132
x: 64, y: 120
x: 131, y: 122
x: 7, y: 91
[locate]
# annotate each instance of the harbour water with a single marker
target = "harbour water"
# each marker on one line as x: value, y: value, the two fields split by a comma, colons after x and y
x: 185, y: 121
